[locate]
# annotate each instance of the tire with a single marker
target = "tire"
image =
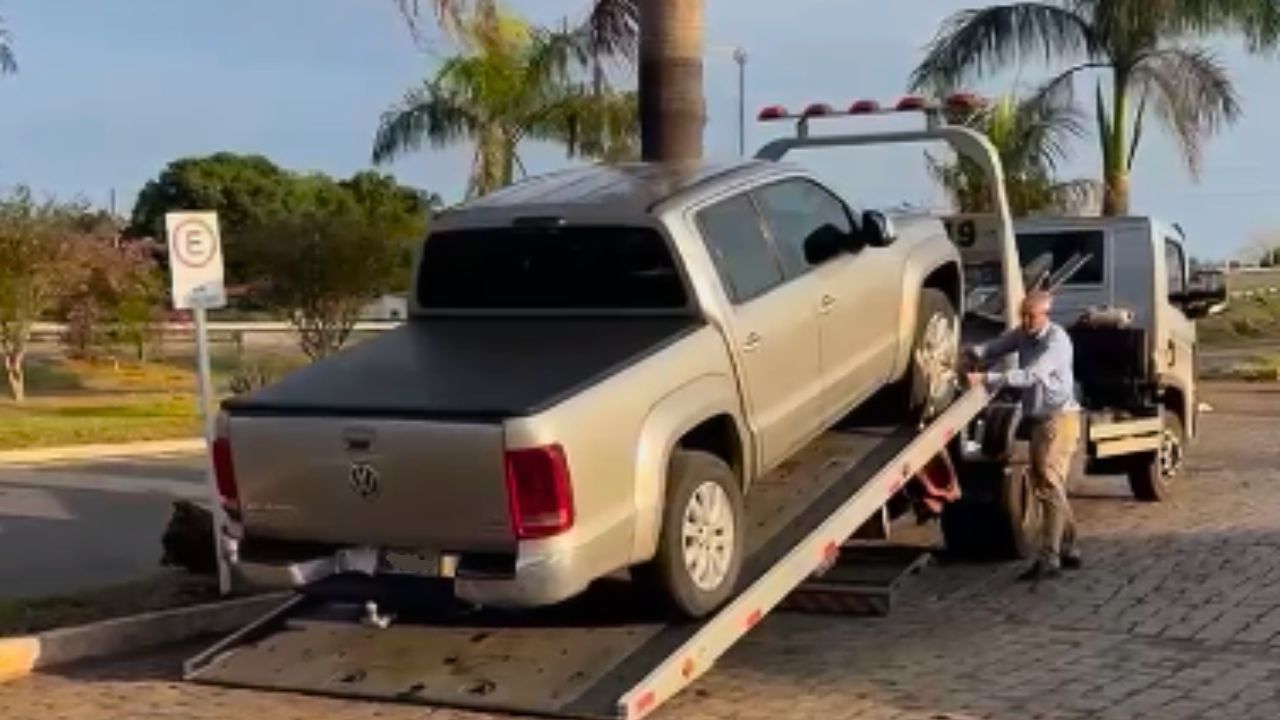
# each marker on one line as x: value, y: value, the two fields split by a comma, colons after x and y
x: 929, y: 385
x: 995, y: 519
x: 1153, y: 476
x: 696, y: 475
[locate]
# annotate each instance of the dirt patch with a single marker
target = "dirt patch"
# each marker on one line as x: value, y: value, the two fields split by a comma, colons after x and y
x: 163, y: 592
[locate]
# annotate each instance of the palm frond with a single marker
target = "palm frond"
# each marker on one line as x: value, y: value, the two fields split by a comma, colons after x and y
x: 1191, y: 93
x: 1258, y: 21
x: 429, y: 114
x: 973, y: 43
x: 595, y: 124
x: 614, y: 28
x: 8, y: 62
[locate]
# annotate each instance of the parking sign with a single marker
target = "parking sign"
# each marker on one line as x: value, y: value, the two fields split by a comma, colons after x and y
x: 195, y: 260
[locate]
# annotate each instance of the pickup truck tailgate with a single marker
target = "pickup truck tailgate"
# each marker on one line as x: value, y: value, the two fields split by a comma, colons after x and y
x: 411, y: 484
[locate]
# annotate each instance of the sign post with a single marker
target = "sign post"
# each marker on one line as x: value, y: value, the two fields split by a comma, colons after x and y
x: 197, y: 283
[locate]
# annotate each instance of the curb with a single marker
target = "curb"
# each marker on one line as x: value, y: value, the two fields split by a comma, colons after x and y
x: 21, y: 656
x: 40, y: 456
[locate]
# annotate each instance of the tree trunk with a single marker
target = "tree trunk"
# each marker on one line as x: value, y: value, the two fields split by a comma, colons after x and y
x: 1115, y: 199
x: 15, y: 376
x: 672, y: 107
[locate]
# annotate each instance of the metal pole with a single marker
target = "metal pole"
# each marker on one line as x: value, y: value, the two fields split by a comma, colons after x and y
x: 210, y: 421
x: 740, y: 56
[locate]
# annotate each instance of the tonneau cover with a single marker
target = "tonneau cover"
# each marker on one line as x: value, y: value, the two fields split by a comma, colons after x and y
x: 466, y: 368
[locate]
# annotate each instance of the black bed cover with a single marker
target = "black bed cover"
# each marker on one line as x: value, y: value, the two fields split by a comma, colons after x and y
x: 479, y: 369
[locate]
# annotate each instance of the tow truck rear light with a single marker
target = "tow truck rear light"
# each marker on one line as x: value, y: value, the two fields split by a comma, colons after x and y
x: 539, y: 492
x: 964, y: 101
x: 911, y: 102
x: 818, y: 110
x: 224, y: 472
x: 864, y: 107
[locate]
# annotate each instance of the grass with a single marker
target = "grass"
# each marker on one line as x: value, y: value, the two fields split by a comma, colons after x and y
x: 163, y: 592
x: 72, y: 402
x: 1245, y: 320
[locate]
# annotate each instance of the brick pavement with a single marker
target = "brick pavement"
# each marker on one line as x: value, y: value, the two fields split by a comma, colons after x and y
x: 1177, y: 615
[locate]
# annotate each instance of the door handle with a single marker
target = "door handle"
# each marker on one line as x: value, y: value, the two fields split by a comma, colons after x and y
x: 827, y: 302
x: 752, y: 342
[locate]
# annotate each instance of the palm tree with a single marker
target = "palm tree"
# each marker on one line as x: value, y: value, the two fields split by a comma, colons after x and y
x: 8, y: 63
x: 1139, y: 46
x: 668, y: 35
x: 1031, y: 138
x: 511, y: 83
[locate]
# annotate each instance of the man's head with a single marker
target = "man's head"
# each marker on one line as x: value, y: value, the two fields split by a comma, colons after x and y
x: 1035, y: 311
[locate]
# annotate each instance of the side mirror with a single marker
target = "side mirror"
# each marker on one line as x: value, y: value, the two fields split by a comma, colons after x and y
x: 1200, y: 303
x: 878, y: 229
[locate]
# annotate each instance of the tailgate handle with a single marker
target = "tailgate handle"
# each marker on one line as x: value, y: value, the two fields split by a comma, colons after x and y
x: 359, y: 439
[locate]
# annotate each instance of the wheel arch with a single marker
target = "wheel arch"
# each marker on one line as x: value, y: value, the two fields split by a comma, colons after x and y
x: 929, y: 267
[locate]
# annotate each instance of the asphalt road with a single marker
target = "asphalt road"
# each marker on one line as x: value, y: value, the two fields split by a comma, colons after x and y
x: 70, y: 527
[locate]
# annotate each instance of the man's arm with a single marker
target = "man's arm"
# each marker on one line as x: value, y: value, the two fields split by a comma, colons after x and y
x: 1001, y: 346
x: 1046, y: 370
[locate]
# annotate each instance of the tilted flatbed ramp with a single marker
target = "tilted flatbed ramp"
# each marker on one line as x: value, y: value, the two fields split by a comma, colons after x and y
x: 606, y: 654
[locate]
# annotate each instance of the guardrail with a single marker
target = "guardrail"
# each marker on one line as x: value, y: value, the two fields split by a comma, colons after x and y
x: 45, y: 330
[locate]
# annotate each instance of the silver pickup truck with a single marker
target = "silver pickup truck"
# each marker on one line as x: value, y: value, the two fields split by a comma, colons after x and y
x: 597, y: 365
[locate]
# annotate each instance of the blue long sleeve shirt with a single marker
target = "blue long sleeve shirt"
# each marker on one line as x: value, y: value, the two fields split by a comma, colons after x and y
x: 1044, y: 372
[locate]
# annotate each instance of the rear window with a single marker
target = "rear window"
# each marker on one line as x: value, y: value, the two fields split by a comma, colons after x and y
x: 1050, y: 254
x: 579, y: 268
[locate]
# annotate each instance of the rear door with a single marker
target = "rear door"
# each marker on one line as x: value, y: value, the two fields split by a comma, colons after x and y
x: 859, y: 293
x: 774, y: 328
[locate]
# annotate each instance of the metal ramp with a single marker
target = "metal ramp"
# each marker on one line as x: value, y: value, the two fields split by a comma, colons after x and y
x: 606, y: 654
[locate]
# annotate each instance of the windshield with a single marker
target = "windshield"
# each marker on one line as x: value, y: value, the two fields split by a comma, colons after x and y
x: 550, y: 268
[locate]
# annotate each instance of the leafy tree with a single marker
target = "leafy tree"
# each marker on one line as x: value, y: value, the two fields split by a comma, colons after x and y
x: 1031, y: 138
x: 510, y: 83
x: 116, y: 295
x: 330, y: 250
x: 8, y: 62
x: 1141, y: 47
x: 243, y: 189
x: 35, y: 259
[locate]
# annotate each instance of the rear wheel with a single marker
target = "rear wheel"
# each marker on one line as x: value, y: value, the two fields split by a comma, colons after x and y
x: 1152, y: 475
x: 701, y: 544
x: 996, y: 518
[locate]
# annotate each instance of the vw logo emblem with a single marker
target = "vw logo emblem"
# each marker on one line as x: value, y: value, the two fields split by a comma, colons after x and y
x: 364, y: 480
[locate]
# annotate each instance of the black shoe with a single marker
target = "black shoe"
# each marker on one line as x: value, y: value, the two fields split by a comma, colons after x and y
x: 1071, y: 560
x: 1039, y: 571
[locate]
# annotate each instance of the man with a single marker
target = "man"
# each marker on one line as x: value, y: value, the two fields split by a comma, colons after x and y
x: 1044, y: 375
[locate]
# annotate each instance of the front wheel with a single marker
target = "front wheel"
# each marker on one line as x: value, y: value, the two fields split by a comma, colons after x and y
x: 701, y: 543
x: 931, y: 374
x: 1152, y: 475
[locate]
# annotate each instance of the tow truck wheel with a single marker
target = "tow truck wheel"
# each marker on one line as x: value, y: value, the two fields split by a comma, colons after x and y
x: 701, y: 543
x: 996, y: 517
x: 931, y: 376
x: 1152, y: 476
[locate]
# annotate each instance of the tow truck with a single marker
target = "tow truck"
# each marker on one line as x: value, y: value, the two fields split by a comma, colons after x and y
x: 606, y: 653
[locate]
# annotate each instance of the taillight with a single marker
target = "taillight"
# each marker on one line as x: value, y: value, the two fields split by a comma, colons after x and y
x: 224, y: 473
x: 541, y: 499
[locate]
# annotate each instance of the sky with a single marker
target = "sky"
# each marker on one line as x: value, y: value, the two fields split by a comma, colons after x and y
x: 109, y: 92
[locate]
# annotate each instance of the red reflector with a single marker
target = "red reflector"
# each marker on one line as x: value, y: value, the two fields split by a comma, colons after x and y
x: 773, y: 112
x: 753, y: 618
x: 224, y: 475
x: 686, y: 670
x: 963, y: 101
x: 911, y: 102
x: 818, y: 110
x: 539, y: 493
x: 863, y: 107
x: 646, y: 702
x: 830, y: 552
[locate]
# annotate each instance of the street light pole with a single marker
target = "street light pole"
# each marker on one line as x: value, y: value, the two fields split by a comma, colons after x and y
x: 740, y: 57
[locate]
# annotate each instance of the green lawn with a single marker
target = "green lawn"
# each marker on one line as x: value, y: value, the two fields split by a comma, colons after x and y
x: 163, y: 592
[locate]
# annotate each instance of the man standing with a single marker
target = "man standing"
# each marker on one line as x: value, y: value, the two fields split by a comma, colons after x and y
x: 1045, y: 377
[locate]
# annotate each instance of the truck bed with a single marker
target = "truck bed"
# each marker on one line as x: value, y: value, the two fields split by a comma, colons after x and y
x: 480, y: 369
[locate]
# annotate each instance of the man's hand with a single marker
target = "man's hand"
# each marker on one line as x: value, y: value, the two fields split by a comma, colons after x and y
x: 976, y: 379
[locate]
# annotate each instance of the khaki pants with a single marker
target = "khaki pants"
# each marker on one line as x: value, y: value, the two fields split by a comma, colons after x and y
x: 1053, y: 442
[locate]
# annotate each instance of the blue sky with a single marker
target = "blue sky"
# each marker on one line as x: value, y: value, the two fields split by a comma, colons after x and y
x: 111, y: 91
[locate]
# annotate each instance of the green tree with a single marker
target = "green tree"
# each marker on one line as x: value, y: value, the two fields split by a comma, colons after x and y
x: 1031, y: 136
x: 1142, y: 48
x: 242, y: 189
x: 510, y: 83
x: 115, y: 294
x: 35, y: 269
x: 8, y: 61
x: 330, y: 249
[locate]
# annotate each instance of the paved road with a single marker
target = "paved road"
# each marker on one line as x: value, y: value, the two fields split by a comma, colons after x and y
x: 70, y: 527
x: 1177, y: 615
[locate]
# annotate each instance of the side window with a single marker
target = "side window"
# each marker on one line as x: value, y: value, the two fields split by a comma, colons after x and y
x: 744, y: 258
x: 1175, y: 266
x: 798, y: 210
x: 1076, y: 255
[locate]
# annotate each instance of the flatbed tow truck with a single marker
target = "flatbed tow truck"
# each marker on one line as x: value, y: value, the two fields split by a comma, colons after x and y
x: 608, y: 654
